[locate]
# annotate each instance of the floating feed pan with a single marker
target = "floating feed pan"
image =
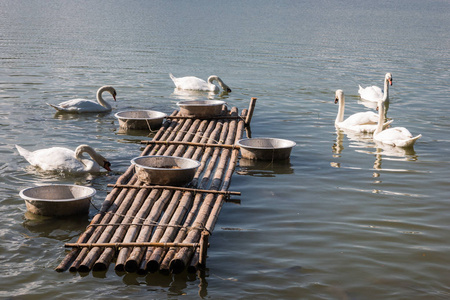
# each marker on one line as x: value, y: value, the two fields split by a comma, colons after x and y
x: 58, y: 199
x: 265, y: 148
x: 201, y: 108
x: 140, y: 119
x: 165, y: 170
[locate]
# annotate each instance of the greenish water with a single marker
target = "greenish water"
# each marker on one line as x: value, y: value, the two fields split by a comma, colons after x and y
x: 343, y: 219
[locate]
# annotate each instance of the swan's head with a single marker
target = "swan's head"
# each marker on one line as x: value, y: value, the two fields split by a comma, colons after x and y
x: 108, y: 89
x: 222, y: 84
x: 103, y: 162
x: 388, y: 78
x: 338, y: 96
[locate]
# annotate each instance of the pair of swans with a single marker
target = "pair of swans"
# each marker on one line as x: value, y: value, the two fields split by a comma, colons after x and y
x: 78, y: 106
x: 65, y: 160
x: 370, y: 122
x: 197, y: 84
x: 363, y: 122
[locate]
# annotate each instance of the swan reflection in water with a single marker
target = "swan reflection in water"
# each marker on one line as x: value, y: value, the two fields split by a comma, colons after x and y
x: 364, y: 143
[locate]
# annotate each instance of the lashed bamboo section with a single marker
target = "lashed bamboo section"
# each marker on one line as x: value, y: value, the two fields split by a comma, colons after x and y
x: 150, y: 228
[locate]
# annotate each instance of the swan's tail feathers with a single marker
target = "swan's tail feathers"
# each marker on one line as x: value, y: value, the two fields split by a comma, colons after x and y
x: 172, y: 77
x: 55, y: 107
x: 360, y: 90
x: 387, y: 123
x: 22, y: 151
x: 410, y: 142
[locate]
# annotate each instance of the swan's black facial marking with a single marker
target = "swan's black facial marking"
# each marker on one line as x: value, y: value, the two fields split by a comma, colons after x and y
x: 107, y: 165
x: 336, y: 100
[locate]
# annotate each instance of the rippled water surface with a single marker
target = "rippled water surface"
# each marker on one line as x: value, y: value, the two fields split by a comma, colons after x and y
x: 342, y: 219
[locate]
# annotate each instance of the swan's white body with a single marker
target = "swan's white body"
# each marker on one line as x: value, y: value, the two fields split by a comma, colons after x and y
x: 364, y: 122
x: 79, y: 106
x: 397, y: 136
x: 374, y: 93
x: 65, y: 160
x: 197, y: 84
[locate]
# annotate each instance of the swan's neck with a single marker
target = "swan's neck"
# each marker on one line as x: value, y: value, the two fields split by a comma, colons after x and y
x: 386, y: 90
x: 340, y: 114
x: 380, y: 118
x: 100, y: 98
x: 219, y: 81
x: 91, y: 152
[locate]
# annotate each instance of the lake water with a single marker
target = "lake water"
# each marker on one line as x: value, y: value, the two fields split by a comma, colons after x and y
x: 343, y: 219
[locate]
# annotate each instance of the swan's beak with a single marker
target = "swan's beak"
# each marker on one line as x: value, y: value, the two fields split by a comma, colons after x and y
x: 390, y: 81
x: 228, y: 90
x: 336, y: 100
x: 107, y: 165
x: 114, y: 96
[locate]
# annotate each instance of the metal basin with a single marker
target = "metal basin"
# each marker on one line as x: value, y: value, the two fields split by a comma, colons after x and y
x: 140, y: 119
x: 165, y: 170
x: 58, y: 199
x: 265, y: 148
x: 201, y: 108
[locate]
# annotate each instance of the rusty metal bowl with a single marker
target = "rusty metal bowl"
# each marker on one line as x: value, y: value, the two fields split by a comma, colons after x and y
x: 140, y: 119
x: 165, y: 170
x: 201, y: 108
x: 58, y: 199
x: 265, y: 148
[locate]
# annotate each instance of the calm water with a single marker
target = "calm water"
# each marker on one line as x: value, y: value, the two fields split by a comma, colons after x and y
x: 342, y: 219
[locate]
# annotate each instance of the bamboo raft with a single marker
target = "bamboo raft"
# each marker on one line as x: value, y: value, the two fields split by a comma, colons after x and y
x: 148, y: 228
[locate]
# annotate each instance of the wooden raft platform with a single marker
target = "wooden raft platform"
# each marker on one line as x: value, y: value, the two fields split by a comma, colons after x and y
x: 162, y: 228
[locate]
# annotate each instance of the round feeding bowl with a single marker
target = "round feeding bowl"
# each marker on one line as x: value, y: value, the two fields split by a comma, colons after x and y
x: 201, y: 108
x: 265, y: 148
x: 140, y: 119
x: 165, y: 170
x: 58, y: 199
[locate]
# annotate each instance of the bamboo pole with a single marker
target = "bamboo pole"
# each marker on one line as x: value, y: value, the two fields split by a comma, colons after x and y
x: 122, y: 244
x: 191, y: 144
x: 205, y: 118
x: 176, y: 188
x: 251, y: 108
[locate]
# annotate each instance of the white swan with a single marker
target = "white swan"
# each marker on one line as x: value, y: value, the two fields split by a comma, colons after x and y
x: 65, y: 160
x: 374, y: 93
x: 197, y: 84
x: 364, y: 122
x: 78, y: 106
x: 397, y: 136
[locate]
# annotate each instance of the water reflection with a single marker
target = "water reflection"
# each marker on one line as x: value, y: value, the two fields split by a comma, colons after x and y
x: 61, y: 229
x: 136, y: 132
x: 84, y: 116
x: 357, y: 139
x: 262, y: 168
